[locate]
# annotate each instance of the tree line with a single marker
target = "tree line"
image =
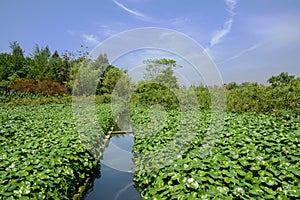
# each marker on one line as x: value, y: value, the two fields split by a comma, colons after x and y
x: 47, y: 74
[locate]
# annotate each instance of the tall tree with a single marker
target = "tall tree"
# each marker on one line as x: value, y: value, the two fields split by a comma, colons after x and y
x: 39, y: 69
x: 110, y: 80
x: 6, y: 70
x: 101, y: 62
x: 18, y: 59
x: 162, y: 71
x: 54, y: 68
x: 86, y: 79
x: 12, y: 66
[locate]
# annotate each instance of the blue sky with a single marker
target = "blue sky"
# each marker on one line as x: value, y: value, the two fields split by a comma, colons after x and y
x: 248, y: 40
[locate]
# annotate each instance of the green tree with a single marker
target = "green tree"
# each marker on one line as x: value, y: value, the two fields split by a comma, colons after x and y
x: 6, y: 66
x: 54, y: 68
x: 231, y: 86
x: 110, y: 80
x: 282, y: 78
x: 124, y: 87
x: 12, y: 66
x: 101, y: 62
x: 18, y: 59
x: 162, y: 71
x: 167, y: 78
x: 65, y: 69
x: 39, y: 68
x: 86, y: 79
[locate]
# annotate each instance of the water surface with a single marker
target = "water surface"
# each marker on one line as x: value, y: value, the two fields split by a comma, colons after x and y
x: 116, y: 181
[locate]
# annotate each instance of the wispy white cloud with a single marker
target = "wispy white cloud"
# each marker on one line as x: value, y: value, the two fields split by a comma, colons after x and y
x: 92, y: 39
x: 231, y: 6
x: 244, y: 51
x: 136, y: 13
x: 219, y: 35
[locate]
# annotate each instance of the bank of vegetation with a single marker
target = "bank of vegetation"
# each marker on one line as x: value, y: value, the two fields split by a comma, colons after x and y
x: 44, y: 155
x: 44, y: 77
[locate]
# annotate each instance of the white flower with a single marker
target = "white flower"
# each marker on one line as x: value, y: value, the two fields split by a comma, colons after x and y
x: 195, y: 184
x: 190, y: 180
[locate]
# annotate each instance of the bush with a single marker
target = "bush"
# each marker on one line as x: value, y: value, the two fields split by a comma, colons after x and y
x: 45, y: 87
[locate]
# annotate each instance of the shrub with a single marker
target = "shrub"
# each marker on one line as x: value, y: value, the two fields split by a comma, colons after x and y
x: 45, y: 87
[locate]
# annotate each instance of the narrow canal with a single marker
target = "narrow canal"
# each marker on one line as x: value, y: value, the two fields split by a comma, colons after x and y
x: 117, y: 167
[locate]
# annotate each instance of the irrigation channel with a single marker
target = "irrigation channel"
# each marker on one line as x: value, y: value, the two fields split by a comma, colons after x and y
x: 117, y: 167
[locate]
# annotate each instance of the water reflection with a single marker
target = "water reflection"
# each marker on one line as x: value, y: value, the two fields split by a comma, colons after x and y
x: 116, y: 181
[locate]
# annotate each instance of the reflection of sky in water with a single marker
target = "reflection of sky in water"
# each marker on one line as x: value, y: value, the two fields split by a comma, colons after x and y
x: 113, y: 185
x: 123, y: 141
x: 116, y: 181
x: 118, y: 153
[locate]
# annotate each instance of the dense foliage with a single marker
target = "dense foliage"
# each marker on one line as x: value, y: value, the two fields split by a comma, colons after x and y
x: 280, y: 98
x: 42, y: 156
x: 46, y: 155
x: 46, y: 73
x: 256, y: 156
x: 151, y: 93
